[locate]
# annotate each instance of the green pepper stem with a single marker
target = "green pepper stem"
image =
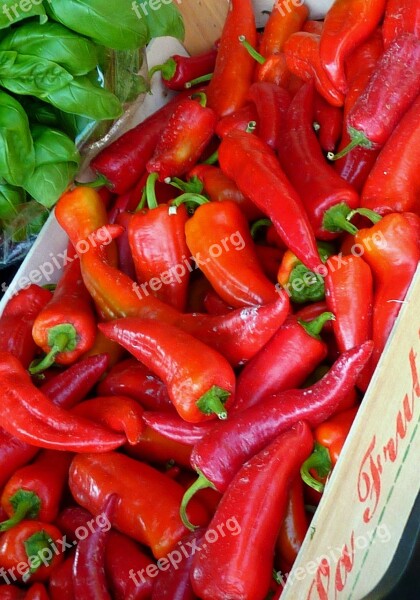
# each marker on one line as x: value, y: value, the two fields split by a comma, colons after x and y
x: 198, y: 80
x: 190, y: 197
x: 202, y: 98
x: 365, y: 212
x: 192, y: 186
x: 314, y: 327
x: 336, y: 219
x: 251, y: 50
x: 212, y: 159
x: 34, y: 546
x: 61, y: 338
x: 213, y: 402
x: 100, y: 181
x: 201, y: 483
x: 167, y: 69
x: 320, y: 461
x: 25, y: 504
x: 258, y: 225
x: 251, y: 127
x: 357, y: 139
x: 151, y: 191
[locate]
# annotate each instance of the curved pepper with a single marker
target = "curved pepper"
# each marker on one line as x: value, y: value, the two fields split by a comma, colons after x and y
x: 123, y: 561
x: 284, y: 363
x: 295, y: 525
x: 175, y: 428
x: 255, y: 169
x: 157, y: 449
x: 346, y: 25
x: 60, y: 583
x: 264, y: 481
x: 280, y: 25
x: 318, y: 185
x: 29, y: 415
x: 218, y: 238
x: 199, y: 380
x: 328, y: 123
x: 144, y: 493
x: 234, y: 66
x: 240, y: 119
x: 272, y: 103
x: 179, y: 70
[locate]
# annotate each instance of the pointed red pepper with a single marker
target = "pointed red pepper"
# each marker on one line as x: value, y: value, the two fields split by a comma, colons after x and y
x: 328, y: 123
x: 240, y: 119
x: 175, y: 428
x: 295, y: 525
x: 176, y: 357
x: 156, y: 449
x: 271, y: 103
x: 60, y: 583
x: 401, y: 16
x: 179, y: 70
x: 255, y: 169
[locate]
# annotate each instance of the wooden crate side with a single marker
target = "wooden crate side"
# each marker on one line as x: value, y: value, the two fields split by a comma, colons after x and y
x: 368, y: 499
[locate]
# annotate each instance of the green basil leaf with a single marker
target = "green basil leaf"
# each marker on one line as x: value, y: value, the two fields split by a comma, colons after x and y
x: 7, y: 60
x: 12, y: 12
x: 109, y: 23
x: 10, y: 198
x: 34, y: 76
x: 82, y: 97
x: 29, y: 221
x: 54, y: 42
x: 57, y: 162
x: 17, y: 154
x: 40, y: 112
x: 162, y: 18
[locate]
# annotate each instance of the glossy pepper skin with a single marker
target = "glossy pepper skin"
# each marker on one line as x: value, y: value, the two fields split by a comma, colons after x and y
x: 131, y: 378
x: 390, y: 92
x: 318, y: 185
x: 89, y: 577
x: 272, y: 416
x: 393, y: 184
x: 179, y: 70
x: 93, y: 477
x: 234, y: 66
x: 218, y: 238
x: 26, y: 540
x: 295, y: 524
x: 329, y: 120
x: 17, y: 321
x: 280, y: 26
x: 175, y: 428
x: 182, y: 142
x: 401, y: 16
x: 346, y: 25
x: 29, y: 415
x: 284, y: 363
x: 157, y: 241
x: 240, y: 119
x: 35, y: 491
x: 60, y: 583
x: 302, y: 59
x: 14, y: 454
x: 256, y: 171
x: 66, y: 327
x: 199, y: 380
x: 271, y: 103
x: 159, y: 450
x: 263, y: 481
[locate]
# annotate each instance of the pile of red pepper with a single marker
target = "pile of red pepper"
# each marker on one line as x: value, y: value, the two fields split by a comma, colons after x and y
x: 227, y: 297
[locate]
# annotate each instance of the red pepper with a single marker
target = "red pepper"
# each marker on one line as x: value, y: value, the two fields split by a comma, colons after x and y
x: 179, y: 70
x: 13, y: 454
x: 66, y: 327
x: 302, y: 58
x: 72, y: 385
x: 256, y: 171
x: 240, y: 119
x: 222, y: 452
x: 175, y: 428
x: 17, y: 321
x: 35, y: 491
x: 89, y: 579
x: 219, y: 240
x: 393, y: 184
x: 175, y: 583
x: 401, y: 16
x: 30, y: 550
x: 71, y: 519
x: 346, y: 25
x: 295, y: 525
x: 144, y: 493
x: 353, y: 311
x: 328, y: 123
x: 274, y: 70
x: 29, y: 415
x: 158, y: 450
x: 390, y: 92
x: 280, y: 25
x: 125, y: 262
x: 234, y: 66
x: 228, y: 567
x: 131, y: 378
x: 11, y: 592
x: 158, y: 247
x: 284, y: 363
x: 214, y: 304
x: 177, y: 357
x: 218, y: 187
x: 330, y: 437
x: 182, y: 142
x: 60, y: 583
x: 101, y: 346
x: 318, y: 185
x: 123, y: 162
x: 313, y: 26
x: 37, y: 591
x: 126, y: 566
x: 270, y: 259
x: 117, y: 413
x: 272, y: 103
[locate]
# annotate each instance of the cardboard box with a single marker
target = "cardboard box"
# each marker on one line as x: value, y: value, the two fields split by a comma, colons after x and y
x: 360, y: 520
